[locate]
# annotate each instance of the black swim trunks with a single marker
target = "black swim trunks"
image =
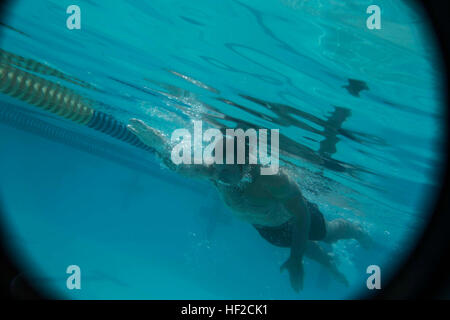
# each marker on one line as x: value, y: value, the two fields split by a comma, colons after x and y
x: 281, y: 235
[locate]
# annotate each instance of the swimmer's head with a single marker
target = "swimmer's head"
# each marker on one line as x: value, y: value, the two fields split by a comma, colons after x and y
x: 232, y: 173
x: 228, y: 173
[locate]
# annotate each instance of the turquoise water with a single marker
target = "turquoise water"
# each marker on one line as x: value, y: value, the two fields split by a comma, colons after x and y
x: 139, y: 231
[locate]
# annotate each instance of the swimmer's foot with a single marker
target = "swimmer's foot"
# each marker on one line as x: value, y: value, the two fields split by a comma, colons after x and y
x: 341, y: 278
x: 331, y: 265
x: 296, y: 272
x: 338, y: 276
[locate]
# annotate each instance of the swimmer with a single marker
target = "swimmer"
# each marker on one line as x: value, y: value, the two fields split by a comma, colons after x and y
x: 274, y: 204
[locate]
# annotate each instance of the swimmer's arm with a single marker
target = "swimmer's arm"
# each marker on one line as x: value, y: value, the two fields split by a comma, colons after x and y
x: 159, y: 143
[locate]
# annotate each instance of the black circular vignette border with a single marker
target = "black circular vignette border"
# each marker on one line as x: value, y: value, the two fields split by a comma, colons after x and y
x: 425, y: 274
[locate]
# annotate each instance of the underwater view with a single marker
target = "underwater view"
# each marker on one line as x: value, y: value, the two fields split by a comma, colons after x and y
x: 92, y: 95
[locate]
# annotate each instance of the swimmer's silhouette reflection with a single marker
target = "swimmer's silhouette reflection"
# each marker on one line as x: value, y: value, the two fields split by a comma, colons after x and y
x: 355, y: 86
x: 336, y: 119
x: 332, y: 128
x: 285, y: 116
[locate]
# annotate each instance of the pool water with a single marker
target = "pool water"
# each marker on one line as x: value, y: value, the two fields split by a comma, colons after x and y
x: 360, y: 114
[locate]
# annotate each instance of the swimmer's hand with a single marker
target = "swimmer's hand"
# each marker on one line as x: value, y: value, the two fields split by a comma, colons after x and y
x: 296, y: 272
x: 160, y: 144
x: 151, y: 137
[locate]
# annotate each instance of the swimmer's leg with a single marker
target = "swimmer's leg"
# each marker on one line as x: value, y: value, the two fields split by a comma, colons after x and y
x: 281, y: 236
x: 340, y: 229
x: 316, y: 253
x: 301, y: 223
